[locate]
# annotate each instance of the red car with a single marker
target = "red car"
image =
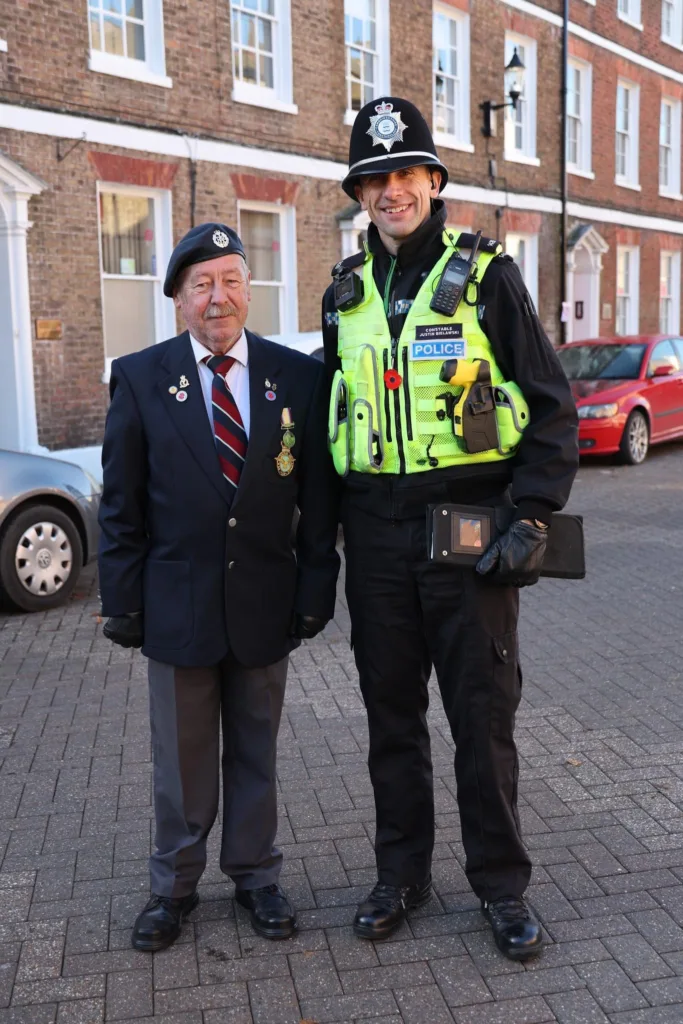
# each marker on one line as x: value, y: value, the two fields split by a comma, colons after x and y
x: 628, y: 391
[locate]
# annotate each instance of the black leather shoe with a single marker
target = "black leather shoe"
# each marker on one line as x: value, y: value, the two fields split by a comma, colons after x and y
x: 387, y: 906
x: 159, y: 924
x: 272, y: 915
x: 516, y: 931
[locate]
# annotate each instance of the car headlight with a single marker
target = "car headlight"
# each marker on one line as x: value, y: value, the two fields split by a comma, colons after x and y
x: 598, y: 412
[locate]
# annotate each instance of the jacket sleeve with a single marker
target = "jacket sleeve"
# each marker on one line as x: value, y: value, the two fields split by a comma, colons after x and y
x: 548, y: 455
x: 122, y: 516
x: 318, y: 501
x: 330, y: 325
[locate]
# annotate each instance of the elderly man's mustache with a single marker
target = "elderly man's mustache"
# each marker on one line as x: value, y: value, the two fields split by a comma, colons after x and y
x: 216, y: 310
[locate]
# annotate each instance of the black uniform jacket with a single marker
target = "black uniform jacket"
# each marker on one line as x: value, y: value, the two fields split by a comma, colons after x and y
x: 546, y: 462
x: 212, y: 576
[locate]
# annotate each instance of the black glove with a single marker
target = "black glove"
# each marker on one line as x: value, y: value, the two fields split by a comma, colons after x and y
x: 125, y: 630
x: 305, y: 627
x: 516, y: 557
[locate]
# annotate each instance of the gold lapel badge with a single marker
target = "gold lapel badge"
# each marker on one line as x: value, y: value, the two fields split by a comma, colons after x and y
x: 184, y: 382
x: 285, y: 460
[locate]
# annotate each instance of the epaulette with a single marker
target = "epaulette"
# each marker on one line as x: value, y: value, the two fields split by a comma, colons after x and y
x: 465, y: 240
x: 350, y: 263
x: 504, y: 257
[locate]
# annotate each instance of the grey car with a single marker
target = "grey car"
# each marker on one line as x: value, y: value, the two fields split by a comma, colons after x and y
x: 48, y: 528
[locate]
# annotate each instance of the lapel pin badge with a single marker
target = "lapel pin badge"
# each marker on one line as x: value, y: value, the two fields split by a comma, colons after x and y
x: 184, y: 382
x: 173, y: 390
x: 271, y: 396
x: 181, y: 396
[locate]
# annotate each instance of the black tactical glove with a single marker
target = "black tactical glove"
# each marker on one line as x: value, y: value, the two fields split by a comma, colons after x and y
x: 516, y: 557
x: 125, y: 630
x: 305, y: 627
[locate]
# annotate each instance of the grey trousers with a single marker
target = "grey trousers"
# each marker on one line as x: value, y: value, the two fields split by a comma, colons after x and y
x: 187, y: 706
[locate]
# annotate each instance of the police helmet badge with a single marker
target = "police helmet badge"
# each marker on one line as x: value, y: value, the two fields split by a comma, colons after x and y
x: 386, y: 126
x: 220, y: 239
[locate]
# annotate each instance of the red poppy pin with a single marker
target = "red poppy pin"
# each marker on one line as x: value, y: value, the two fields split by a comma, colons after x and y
x: 393, y: 380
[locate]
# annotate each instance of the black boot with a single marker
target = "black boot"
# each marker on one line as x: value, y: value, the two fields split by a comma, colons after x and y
x: 386, y: 906
x: 159, y: 924
x: 272, y: 915
x: 516, y: 931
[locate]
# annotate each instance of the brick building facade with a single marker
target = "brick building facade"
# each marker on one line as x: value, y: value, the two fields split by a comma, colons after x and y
x: 122, y: 123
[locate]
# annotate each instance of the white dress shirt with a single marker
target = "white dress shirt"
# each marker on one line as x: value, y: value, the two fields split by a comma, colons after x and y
x: 237, y: 377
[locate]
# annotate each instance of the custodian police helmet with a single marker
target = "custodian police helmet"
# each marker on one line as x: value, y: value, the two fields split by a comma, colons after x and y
x: 389, y: 134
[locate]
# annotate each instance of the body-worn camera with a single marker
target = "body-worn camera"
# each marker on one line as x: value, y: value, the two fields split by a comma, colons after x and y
x: 348, y: 291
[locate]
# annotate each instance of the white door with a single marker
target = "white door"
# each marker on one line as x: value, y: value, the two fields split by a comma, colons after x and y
x: 586, y: 297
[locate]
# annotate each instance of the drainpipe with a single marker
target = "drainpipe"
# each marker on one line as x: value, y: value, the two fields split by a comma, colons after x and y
x: 563, y: 166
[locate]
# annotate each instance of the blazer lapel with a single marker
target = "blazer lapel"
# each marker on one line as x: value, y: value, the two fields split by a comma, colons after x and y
x: 190, y: 417
x: 264, y: 415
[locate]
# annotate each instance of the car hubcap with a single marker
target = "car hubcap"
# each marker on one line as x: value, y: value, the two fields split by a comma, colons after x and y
x: 638, y: 439
x: 43, y: 559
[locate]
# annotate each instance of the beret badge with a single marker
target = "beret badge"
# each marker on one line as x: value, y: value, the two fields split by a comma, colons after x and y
x: 220, y: 239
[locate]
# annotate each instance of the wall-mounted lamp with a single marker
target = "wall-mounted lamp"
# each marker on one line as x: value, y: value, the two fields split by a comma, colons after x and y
x: 514, y: 82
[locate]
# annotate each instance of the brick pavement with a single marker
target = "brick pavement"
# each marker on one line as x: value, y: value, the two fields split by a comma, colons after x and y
x: 600, y: 733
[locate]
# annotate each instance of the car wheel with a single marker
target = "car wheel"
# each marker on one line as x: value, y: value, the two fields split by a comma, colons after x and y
x: 41, y: 556
x: 635, y: 441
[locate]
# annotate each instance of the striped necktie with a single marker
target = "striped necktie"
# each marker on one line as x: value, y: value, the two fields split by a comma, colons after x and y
x: 228, y: 428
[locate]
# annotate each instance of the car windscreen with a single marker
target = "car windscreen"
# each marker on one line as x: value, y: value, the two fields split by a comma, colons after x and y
x: 602, y: 362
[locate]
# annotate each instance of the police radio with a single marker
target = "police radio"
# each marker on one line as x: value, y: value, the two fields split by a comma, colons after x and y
x: 454, y: 280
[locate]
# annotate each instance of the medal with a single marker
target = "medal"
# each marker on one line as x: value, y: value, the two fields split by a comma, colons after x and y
x: 285, y: 460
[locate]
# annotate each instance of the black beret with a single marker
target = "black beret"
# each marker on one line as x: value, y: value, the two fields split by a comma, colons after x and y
x: 205, y: 242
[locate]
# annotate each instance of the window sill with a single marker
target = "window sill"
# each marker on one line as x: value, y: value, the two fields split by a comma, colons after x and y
x: 255, y: 96
x: 580, y: 173
x: 126, y: 67
x: 521, y: 158
x: 672, y: 44
x: 452, y: 142
x: 633, y: 24
x: 3, y: 46
x: 628, y: 184
x: 350, y: 117
x: 671, y: 195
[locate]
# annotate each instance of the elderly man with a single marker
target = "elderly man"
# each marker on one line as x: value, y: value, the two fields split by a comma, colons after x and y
x: 212, y: 439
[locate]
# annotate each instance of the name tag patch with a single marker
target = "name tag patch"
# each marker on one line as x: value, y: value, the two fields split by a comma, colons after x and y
x: 438, y: 341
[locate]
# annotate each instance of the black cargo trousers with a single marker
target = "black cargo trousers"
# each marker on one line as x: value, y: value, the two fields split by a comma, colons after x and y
x: 408, y: 614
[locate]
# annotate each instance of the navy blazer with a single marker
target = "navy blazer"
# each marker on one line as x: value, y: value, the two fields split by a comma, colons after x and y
x: 213, y: 576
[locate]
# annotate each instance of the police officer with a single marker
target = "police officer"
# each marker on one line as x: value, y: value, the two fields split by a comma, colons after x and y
x: 399, y: 447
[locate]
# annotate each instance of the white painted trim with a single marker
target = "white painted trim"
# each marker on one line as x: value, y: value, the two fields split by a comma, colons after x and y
x: 585, y: 70
x: 677, y: 197
x: 256, y: 96
x: 596, y: 40
x: 18, y: 422
x: 350, y: 117
x: 497, y: 197
x: 512, y: 238
x: 3, y: 46
x: 67, y: 126
x: 513, y: 157
x: 581, y: 174
x: 631, y: 178
x: 528, y: 153
x: 126, y: 67
x: 676, y: 286
x: 632, y: 326
x: 452, y: 142
x: 674, y: 191
x: 621, y: 183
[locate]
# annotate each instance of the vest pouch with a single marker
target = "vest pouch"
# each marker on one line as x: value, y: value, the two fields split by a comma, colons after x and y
x: 338, y: 424
x: 367, y: 444
x: 512, y: 414
x: 366, y: 451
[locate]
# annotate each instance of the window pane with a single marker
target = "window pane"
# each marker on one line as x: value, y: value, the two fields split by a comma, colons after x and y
x: 356, y: 96
x: 113, y: 35
x: 354, y: 64
x: 134, y: 9
x: 266, y: 69
x: 135, y: 37
x: 113, y: 5
x: 250, y: 5
x: 369, y: 68
x: 128, y: 316
x: 264, y: 310
x: 249, y: 66
x: 267, y: 6
x: 260, y: 233
x: 248, y: 31
x: 265, y: 36
x: 356, y: 31
x: 95, y: 36
x: 127, y: 226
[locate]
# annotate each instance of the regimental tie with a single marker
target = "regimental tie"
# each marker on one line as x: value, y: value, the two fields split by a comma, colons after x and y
x: 228, y: 428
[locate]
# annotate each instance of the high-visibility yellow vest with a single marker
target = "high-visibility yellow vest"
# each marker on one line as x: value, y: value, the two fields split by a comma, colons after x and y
x: 378, y: 427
